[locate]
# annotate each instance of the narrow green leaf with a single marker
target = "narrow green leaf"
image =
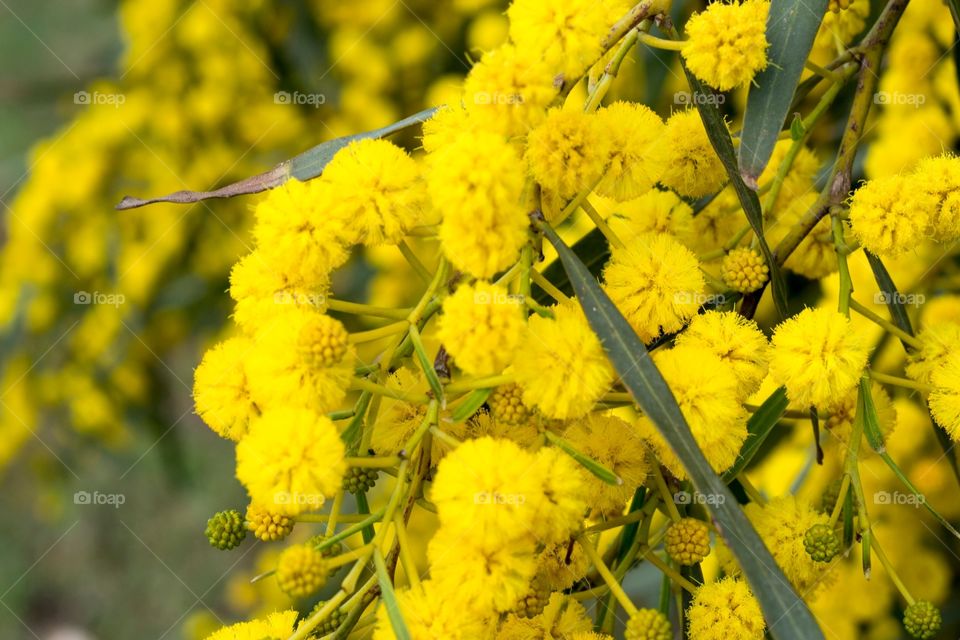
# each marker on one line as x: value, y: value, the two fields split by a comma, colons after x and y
x: 787, y: 615
x: 791, y: 28
x: 759, y: 426
x: 470, y: 406
x: 720, y: 139
x: 922, y: 499
x: 390, y: 598
x: 871, y: 420
x: 425, y: 363
x: 592, y: 249
x: 586, y: 461
x: 305, y: 166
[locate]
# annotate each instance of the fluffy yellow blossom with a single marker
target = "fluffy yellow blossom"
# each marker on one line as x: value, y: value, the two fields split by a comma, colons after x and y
x: 723, y: 610
x: 476, y: 183
x: 376, y: 190
x: 297, y: 237
x: 727, y: 43
x: 563, y: 368
x: 276, y: 625
x: 842, y: 413
x: 633, y: 169
x: 431, y: 613
x: 568, y: 152
x: 303, y: 359
x: 945, y: 398
x: 691, y: 166
x: 445, y: 126
x: 262, y: 292
x: 745, y: 270
x: 301, y: 570
x: 656, y: 283
x: 707, y: 392
x: 492, y: 491
x: 507, y: 92
x: 937, y: 342
x: 648, y: 624
x: 890, y: 215
x: 655, y: 211
x: 398, y: 419
x: 939, y: 178
x: 736, y: 341
x: 817, y: 356
x: 481, y: 327
x: 557, y: 569
x: 563, y: 617
x: 781, y: 524
x: 221, y: 390
x: 291, y: 459
x: 565, y: 34
x: 617, y: 446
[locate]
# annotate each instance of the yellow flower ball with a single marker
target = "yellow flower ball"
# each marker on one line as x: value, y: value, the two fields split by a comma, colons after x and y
x: 432, y: 613
x: 567, y: 152
x: 723, y: 610
x: 945, y: 398
x: 691, y: 166
x: 937, y: 342
x: 632, y: 168
x: 817, y: 356
x: 656, y: 283
x: 291, y: 459
x: 736, y: 341
x: 481, y: 327
x: 727, y: 43
x: 221, y: 390
x: 890, y: 215
x: 562, y: 369
x: 655, y: 211
x: 262, y: 292
x: 745, y: 270
x: 276, y: 625
x: 939, y: 178
x: 301, y: 570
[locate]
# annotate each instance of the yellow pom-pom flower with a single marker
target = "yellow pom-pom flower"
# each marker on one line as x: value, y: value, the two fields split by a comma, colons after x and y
x: 744, y: 270
x: 945, y: 398
x: 736, y: 341
x: 817, y: 356
x: 291, y: 459
x: 648, y: 624
x: 280, y: 624
x: 568, y: 152
x: 481, y: 327
x: 262, y: 292
x: 477, y: 185
x: 221, y: 390
x: 688, y: 541
x: 617, y: 446
x: 632, y: 169
x: 656, y: 283
x: 301, y: 359
x: 301, y: 570
x: 376, y: 189
x: 727, y: 43
x: 691, y: 166
x: 432, y: 613
x: 939, y: 179
x: 565, y: 34
x: 723, y: 610
x: 937, y: 342
x: 655, y: 211
x: 508, y: 91
x: 296, y: 235
x: 708, y: 394
x: 890, y: 215
x: 563, y: 368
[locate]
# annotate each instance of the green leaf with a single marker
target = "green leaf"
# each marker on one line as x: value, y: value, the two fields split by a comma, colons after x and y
x: 586, y: 461
x: 592, y: 249
x: 720, y: 139
x: 305, y: 166
x: 891, y: 295
x: 871, y: 420
x: 425, y: 363
x: 759, y: 426
x: 470, y: 406
x: 791, y: 28
x: 390, y: 598
x: 787, y: 614
x: 922, y: 499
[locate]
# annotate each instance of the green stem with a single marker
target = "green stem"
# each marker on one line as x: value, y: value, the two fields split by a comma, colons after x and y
x: 888, y: 326
x: 414, y: 261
